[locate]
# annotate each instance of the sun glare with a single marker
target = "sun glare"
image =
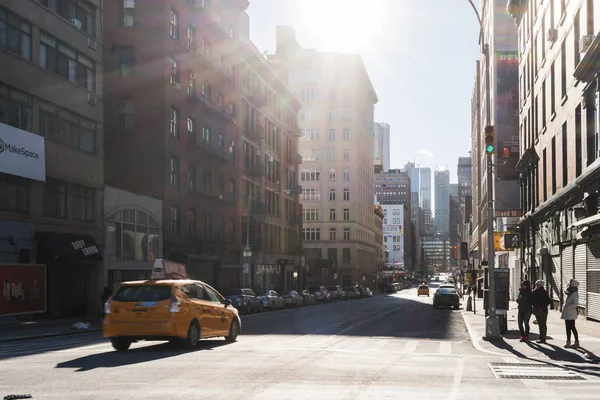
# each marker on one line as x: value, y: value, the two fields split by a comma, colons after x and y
x: 345, y: 26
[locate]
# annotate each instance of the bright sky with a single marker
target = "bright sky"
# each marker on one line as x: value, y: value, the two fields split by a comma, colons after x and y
x: 420, y: 55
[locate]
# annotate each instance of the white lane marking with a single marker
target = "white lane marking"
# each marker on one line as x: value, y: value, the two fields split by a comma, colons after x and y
x: 349, y: 328
x: 445, y: 348
x: 457, y: 378
x: 410, y: 347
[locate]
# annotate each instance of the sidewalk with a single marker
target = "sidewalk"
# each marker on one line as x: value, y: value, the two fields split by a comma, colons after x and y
x: 12, y: 329
x: 509, y: 344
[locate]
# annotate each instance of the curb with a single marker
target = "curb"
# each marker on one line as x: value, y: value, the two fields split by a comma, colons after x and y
x: 475, y: 338
x: 47, y: 335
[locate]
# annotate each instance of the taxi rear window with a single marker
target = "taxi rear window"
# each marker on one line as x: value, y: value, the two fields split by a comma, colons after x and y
x: 423, y: 287
x: 143, y: 293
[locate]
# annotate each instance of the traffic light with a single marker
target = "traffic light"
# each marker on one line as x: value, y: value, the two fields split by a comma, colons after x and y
x: 489, y: 140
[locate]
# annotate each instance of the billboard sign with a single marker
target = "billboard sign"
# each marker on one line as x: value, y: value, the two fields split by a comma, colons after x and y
x: 22, y: 289
x: 22, y: 153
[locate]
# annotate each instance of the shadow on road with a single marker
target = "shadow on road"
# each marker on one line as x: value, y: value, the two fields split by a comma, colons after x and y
x: 40, y: 346
x: 112, y: 359
x: 401, y: 315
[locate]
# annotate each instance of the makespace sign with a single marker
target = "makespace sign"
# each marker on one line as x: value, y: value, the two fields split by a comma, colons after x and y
x: 22, y: 153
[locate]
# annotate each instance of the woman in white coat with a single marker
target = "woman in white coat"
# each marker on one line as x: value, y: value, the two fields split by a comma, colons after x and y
x: 569, y: 313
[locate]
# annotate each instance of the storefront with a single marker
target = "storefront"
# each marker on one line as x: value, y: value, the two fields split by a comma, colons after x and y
x: 134, y: 237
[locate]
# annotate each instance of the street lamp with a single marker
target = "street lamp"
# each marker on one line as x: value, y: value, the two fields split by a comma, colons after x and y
x: 492, y: 324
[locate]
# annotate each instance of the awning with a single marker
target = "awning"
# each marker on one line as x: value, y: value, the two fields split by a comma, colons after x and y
x: 594, y: 219
x: 66, y: 246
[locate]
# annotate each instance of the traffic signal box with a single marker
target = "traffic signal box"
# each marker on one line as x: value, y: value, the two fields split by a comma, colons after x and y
x: 489, y: 140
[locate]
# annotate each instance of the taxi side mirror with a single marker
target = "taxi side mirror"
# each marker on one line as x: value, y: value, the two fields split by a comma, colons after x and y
x: 227, y: 302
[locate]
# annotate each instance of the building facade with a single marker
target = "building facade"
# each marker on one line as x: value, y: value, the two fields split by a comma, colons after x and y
x: 51, y: 148
x: 559, y: 58
x: 212, y: 125
x: 465, y: 182
x: 394, y: 234
x: 382, y: 144
x: 337, y: 148
x: 442, y: 200
x: 378, y: 215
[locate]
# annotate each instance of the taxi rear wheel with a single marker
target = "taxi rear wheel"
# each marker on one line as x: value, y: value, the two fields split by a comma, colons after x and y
x: 193, y: 336
x: 120, y: 344
x: 234, y: 331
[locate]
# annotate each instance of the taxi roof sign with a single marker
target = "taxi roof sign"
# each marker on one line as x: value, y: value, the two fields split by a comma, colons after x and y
x: 165, y: 269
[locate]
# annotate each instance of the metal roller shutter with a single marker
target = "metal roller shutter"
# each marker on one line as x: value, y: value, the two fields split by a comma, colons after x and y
x: 566, y: 270
x: 554, y: 281
x: 593, y: 280
x: 581, y: 272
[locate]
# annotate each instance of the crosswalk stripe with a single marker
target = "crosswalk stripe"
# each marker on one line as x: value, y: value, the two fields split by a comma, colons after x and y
x: 445, y: 348
x: 410, y: 347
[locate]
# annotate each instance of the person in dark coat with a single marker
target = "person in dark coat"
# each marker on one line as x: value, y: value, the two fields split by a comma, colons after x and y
x: 541, y: 301
x: 525, y: 309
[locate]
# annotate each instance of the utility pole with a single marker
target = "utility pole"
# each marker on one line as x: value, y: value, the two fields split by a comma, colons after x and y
x: 492, y: 324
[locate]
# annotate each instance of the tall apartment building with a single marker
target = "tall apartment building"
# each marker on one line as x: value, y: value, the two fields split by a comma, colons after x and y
x: 382, y: 144
x: 442, y: 200
x: 337, y: 150
x: 51, y: 149
x: 198, y: 117
x: 425, y: 199
x: 476, y: 160
x: 559, y: 58
x: 465, y: 182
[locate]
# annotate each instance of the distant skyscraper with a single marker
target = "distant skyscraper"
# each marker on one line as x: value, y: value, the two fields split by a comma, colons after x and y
x: 420, y: 182
x: 442, y: 201
x: 382, y: 144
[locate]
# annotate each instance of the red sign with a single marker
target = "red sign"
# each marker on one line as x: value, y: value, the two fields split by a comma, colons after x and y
x: 165, y: 269
x: 22, y: 289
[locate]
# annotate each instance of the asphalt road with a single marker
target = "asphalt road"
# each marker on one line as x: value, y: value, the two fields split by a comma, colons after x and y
x: 384, y: 347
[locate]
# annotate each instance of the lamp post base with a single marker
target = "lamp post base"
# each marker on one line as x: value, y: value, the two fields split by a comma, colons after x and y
x: 492, y: 327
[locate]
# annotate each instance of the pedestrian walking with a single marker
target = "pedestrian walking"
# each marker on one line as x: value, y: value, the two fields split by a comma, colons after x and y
x: 541, y: 301
x: 569, y: 313
x: 525, y: 308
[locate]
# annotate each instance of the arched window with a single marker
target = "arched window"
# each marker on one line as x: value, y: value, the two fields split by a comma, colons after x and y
x: 132, y: 235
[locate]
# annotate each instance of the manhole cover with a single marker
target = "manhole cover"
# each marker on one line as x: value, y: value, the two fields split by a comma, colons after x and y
x: 533, y: 371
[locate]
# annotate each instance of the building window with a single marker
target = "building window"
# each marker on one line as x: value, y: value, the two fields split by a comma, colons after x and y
x: 346, y: 233
x: 127, y: 12
x: 207, y: 181
x: 83, y: 203
x: 332, y: 214
x: 206, y: 135
x: 174, y: 172
x: 311, y: 214
x: 346, y: 194
x: 346, y: 155
x: 346, y: 175
x: 126, y: 61
x: 332, y: 135
x: 174, y: 24
x: 346, y: 214
x: 331, y: 194
x: 191, y: 178
x: 61, y: 126
x: 208, y: 233
x: 310, y: 175
x: 55, y: 198
x: 191, y: 38
x: 15, y: 34
x: 332, y: 155
x: 127, y: 116
x: 346, y: 115
x: 132, y: 235
x: 565, y: 155
x: 174, y: 78
x: 15, y: 108
x: 175, y: 220
x: 311, y: 234
x: 332, y: 234
x: 552, y: 89
x: 174, y: 123
x: 66, y: 62
x: 331, y: 115
x: 346, y: 135
x: 191, y: 129
x: 311, y: 194
x: 232, y: 231
x: 78, y: 10
x: 14, y: 194
x: 346, y: 254
x: 332, y: 175
x: 191, y: 218
x: 563, y: 69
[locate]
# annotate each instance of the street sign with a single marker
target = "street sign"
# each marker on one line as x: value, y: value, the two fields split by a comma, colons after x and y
x: 247, y: 254
x: 508, y: 213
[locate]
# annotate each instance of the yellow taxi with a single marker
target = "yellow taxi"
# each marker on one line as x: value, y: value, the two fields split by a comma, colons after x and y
x: 423, y: 290
x: 178, y: 310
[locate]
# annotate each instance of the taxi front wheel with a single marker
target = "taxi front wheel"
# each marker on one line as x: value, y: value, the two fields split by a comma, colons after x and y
x: 120, y: 344
x: 234, y: 331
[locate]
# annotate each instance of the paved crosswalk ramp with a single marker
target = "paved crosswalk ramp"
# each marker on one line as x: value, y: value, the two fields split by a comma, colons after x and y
x: 537, y: 371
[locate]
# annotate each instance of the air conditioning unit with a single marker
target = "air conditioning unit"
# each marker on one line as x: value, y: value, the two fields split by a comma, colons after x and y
x: 552, y: 35
x: 92, y: 44
x: 193, y: 76
x: 585, y: 42
x: 220, y: 197
x: 176, y: 85
x: 75, y: 22
x: 92, y: 98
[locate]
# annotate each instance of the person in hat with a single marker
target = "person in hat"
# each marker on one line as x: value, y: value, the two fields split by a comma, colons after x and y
x: 525, y: 308
x: 541, y: 301
x: 569, y: 313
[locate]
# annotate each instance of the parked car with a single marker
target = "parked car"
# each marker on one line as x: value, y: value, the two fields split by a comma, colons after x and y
x: 292, y: 299
x: 352, y: 292
x: 337, y: 293
x: 309, y: 298
x: 271, y: 299
x: 446, y: 297
x: 182, y: 311
x: 244, y: 300
x: 321, y: 293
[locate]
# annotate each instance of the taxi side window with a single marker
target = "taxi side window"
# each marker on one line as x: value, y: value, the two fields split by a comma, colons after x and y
x: 210, y: 295
x: 192, y: 291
